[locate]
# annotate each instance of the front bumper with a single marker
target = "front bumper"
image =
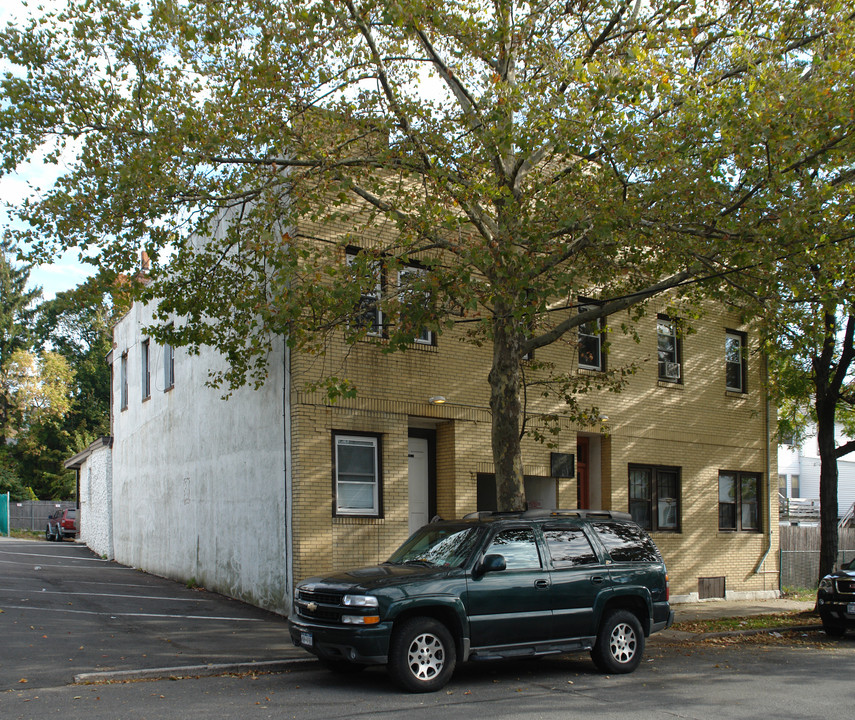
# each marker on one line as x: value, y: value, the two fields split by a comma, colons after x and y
x: 361, y: 645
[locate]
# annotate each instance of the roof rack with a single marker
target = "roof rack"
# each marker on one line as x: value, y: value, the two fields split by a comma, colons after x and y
x: 543, y: 513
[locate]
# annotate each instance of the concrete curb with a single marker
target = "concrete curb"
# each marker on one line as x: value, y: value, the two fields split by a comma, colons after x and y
x: 188, y: 671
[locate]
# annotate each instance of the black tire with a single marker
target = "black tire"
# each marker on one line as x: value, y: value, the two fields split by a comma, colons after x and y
x: 620, y: 643
x: 48, y: 535
x: 422, y: 655
x: 832, y: 629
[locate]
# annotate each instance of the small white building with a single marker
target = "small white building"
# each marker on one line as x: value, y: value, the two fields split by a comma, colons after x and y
x: 798, y: 481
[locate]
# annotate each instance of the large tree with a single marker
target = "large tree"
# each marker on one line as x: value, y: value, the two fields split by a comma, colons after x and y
x: 526, y: 154
x: 810, y: 327
x: 17, y: 311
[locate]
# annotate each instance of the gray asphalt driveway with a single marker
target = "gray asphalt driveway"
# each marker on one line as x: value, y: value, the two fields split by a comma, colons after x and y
x: 65, y: 612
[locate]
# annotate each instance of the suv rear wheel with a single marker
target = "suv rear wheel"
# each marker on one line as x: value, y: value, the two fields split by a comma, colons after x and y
x: 422, y: 655
x: 620, y: 643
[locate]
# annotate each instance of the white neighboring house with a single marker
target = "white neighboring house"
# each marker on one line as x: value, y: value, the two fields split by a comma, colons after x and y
x: 798, y: 481
x: 193, y: 477
x: 94, y: 467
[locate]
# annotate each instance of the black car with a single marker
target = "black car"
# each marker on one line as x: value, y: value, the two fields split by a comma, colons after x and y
x: 836, y: 600
x: 492, y: 585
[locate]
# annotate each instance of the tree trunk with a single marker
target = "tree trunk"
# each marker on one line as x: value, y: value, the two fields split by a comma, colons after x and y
x: 827, y: 487
x: 505, y: 381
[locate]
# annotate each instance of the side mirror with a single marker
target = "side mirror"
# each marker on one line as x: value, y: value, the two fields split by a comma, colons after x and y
x: 490, y: 563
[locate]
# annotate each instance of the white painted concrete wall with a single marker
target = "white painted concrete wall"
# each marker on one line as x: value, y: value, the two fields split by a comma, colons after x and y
x: 198, y: 481
x: 96, y: 500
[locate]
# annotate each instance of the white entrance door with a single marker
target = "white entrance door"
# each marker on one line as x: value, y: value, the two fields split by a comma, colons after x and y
x: 418, y: 475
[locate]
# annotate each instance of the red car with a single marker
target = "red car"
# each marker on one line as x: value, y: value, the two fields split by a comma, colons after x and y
x: 61, y: 524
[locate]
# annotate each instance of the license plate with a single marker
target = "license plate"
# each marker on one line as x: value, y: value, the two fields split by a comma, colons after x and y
x: 306, y: 639
x: 850, y: 609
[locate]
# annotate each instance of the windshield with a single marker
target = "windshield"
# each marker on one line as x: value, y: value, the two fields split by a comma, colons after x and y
x: 438, y: 546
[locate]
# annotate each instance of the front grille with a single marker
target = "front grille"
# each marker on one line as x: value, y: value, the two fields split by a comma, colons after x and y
x: 846, y: 587
x: 321, y: 597
x: 320, y: 605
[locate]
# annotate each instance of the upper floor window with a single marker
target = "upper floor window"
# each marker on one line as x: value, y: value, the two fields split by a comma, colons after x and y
x: 669, y: 350
x: 738, y: 501
x: 123, y: 381
x: 168, y: 367
x: 591, y: 342
x: 357, y: 475
x: 410, y: 295
x: 735, y: 361
x: 145, y: 368
x: 368, y: 313
x: 654, y: 496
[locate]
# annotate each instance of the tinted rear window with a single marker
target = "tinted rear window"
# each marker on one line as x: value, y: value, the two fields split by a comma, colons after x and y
x: 626, y: 543
x: 569, y: 547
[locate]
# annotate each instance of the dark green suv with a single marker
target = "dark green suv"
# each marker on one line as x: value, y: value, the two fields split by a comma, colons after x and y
x: 492, y: 585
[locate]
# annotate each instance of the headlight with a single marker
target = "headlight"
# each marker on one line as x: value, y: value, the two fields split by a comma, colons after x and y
x: 365, y: 601
x: 826, y: 584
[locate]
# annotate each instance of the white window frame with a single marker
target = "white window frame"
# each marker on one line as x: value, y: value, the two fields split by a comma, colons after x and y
x: 371, y: 298
x: 597, y: 336
x: 123, y: 381
x: 168, y: 367
x: 372, y: 441
x: 736, y: 359
x: 145, y: 368
x: 427, y: 336
x: 670, y: 367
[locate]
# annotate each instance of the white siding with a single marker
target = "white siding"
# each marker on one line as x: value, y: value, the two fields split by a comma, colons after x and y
x: 198, y: 481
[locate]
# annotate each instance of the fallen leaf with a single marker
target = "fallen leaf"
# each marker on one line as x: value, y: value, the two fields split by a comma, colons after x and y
x: 23, y: 680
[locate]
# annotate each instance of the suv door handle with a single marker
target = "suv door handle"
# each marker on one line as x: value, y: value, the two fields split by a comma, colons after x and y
x: 597, y: 579
x: 541, y: 584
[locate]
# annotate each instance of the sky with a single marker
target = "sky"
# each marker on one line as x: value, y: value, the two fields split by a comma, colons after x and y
x: 66, y: 272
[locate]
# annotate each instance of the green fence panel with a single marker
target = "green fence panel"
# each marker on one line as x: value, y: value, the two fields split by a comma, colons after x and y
x: 4, y: 514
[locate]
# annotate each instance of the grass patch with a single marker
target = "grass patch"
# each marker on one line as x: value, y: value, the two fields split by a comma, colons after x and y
x: 752, y: 622
x: 805, y: 594
x: 27, y: 534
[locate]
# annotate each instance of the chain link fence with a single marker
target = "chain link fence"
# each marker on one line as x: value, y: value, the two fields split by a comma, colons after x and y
x: 33, y: 514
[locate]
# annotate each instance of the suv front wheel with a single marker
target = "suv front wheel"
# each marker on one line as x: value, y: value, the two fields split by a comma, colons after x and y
x: 422, y: 655
x: 620, y: 643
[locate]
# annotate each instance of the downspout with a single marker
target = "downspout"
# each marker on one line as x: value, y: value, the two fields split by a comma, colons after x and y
x: 768, y: 430
x: 289, y: 514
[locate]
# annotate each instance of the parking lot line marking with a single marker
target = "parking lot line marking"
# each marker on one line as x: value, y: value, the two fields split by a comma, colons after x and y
x: 53, y: 556
x: 115, y: 595
x: 125, y: 614
x: 68, y: 567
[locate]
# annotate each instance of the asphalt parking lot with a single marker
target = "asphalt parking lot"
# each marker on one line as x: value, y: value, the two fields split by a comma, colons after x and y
x: 66, y: 613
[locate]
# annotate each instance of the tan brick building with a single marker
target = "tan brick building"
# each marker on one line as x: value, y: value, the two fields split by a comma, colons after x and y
x: 686, y: 447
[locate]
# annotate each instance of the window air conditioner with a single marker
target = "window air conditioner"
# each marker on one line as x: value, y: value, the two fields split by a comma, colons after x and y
x: 671, y: 370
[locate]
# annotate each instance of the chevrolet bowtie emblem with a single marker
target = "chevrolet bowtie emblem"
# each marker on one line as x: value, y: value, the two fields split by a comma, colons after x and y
x: 312, y: 606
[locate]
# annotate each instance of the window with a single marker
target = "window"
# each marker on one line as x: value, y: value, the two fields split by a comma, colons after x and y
x: 145, y: 371
x: 654, y: 497
x: 123, y: 381
x: 795, y: 488
x: 357, y: 475
x: 368, y: 314
x: 408, y: 277
x: 518, y: 547
x: 569, y: 547
x: 626, y: 543
x: 591, y: 342
x: 669, y: 350
x: 738, y: 501
x: 736, y: 366
x: 168, y: 367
